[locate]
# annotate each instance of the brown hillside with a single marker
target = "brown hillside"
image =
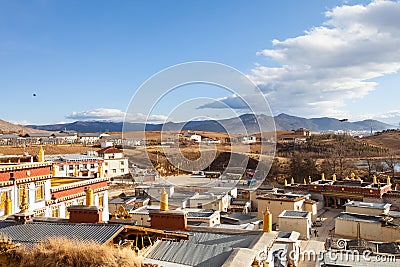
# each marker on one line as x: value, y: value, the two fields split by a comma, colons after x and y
x: 7, y: 127
x: 389, y: 140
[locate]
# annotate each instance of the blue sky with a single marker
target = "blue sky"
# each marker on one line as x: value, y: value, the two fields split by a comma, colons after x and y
x: 85, y: 59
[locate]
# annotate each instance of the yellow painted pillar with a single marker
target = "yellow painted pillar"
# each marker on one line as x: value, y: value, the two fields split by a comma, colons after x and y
x: 76, y: 172
x: 304, y: 181
x: 53, y: 170
x: 388, y: 180
x: 309, y: 180
x: 352, y: 176
x: 285, y: 182
x: 374, y: 180
x: 89, y: 197
x: 41, y: 154
x: 292, y: 181
x: 323, y: 177
x: 8, y: 205
x: 334, y: 177
x: 267, y: 221
x: 164, y: 200
x: 100, y: 171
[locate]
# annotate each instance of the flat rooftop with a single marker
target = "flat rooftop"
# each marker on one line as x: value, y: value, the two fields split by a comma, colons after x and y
x: 294, y: 214
x: 279, y: 196
x: 71, y: 158
x: 370, y: 205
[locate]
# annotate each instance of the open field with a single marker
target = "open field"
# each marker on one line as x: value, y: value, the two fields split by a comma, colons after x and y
x: 49, y: 149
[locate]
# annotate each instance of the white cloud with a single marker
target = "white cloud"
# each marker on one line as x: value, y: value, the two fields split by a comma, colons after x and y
x: 115, y: 115
x: 392, y: 117
x: 333, y: 62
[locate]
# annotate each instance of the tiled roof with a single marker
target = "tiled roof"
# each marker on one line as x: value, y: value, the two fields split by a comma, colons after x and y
x: 34, y: 232
x: 4, y: 224
x: 202, y: 249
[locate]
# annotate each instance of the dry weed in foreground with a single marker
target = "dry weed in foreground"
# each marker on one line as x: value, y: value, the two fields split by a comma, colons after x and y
x: 66, y: 252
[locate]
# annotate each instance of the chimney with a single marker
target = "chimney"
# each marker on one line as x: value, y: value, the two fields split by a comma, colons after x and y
x: 85, y: 214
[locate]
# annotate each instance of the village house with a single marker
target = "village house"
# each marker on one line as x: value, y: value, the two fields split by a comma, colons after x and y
x: 115, y: 163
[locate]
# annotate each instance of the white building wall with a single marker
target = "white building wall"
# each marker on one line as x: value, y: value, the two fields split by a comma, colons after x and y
x: 115, y: 167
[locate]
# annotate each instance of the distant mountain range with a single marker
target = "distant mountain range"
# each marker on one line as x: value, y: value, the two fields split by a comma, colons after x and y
x: 232, y: 125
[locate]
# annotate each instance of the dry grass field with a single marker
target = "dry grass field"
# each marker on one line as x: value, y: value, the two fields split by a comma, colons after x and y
x: 69, y: 253
x: 390, y: 140
x: 49, y: 149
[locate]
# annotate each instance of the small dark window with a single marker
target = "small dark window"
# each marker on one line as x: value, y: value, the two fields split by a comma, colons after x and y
x: 11, y: 175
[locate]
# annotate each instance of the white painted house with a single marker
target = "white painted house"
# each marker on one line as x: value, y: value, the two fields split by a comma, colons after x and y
x: 115, y: 163
x: 196, y: 138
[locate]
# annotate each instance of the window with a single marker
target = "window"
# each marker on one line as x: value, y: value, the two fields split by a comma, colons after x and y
x: 114, y: 170
x: 80, y: 202
x: 106, y: 163
x: 122, y: 162
x: 71, y: 167
x: 122, y: 170
x: 39, y: 190
x: 55, y: 213
x: 61, y: 168
x: 199, y: 205
x: 11, y: 175
x: 101, y: 201
x: 92, y: 166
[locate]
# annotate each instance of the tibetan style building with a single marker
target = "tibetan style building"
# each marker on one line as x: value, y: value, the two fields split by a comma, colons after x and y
x: 335, y: 194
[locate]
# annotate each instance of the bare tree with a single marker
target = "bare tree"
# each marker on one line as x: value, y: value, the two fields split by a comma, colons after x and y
x: 391, y: 161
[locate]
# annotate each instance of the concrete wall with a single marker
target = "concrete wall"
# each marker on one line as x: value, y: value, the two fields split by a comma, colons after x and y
x: 115, y: 167
x: 311, y: 208
x: 368, y: 230
x: 301, y: 225
x: 276, y: 207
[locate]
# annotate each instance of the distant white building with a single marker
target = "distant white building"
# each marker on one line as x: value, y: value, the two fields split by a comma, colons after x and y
x: 115, y: 163
x: 196, y: 138
x: 249, y: 139
x: 129, y: 142
x: 211, y: 141
x: 91, y: 138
